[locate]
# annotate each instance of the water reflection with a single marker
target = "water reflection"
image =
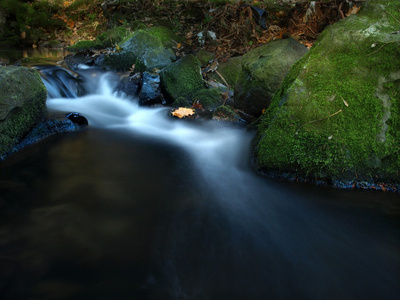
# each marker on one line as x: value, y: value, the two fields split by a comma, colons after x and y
x: 10, y: 56
x: 109, y: 215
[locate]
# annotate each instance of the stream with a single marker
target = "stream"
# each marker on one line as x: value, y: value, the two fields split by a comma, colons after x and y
x: 143, y: 206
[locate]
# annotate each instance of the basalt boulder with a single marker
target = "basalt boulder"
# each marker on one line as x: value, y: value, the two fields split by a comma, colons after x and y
x: 150, y: 92
x: 337, y: 115
x: 22, y: 104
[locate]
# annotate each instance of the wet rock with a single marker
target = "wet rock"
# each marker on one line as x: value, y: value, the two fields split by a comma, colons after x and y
x: 150, y: 92
x: 77, y: 118
x: 61, y: 82
x: 43, y: 130
x: 22, y: 104
x: 130, y: 84
x: 83, y: 57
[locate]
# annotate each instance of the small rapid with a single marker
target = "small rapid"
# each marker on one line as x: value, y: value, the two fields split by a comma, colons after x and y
x: 212, y: 145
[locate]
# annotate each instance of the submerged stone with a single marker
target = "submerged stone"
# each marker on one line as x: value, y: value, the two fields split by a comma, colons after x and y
x: 77, y: 118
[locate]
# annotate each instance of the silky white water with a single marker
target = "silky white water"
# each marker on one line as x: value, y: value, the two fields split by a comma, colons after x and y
x: 214, y: 146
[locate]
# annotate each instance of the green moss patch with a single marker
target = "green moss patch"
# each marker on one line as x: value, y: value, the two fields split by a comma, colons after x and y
x: 336, y: 116
x: 182, y: 78
x: 22, y: 104
x: 208, y: 98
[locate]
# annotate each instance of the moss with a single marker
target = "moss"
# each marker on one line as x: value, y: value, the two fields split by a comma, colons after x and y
x: 182, y: 102
x: 263, y: 70
x: 326, y: 118
x: 226, y: 113
x: 208, y: 98
x: 230, y: 70
x: 182, y: 78
x: 112, y: 36
x: 167, y: 37
x: 204, y: 56
x: 141, y: 49
x: 22, y: 104
x: 84, y: 45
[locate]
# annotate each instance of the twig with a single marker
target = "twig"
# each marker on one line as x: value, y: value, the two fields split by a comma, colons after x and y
x: 382, y: 47
x: 340, y: 10
x: 227, y: 85
x: 392, y: 16
x: 315, y: 121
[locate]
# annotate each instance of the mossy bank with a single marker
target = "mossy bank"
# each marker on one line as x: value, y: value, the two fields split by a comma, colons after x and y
x: 336, y: 116
x: 22, y: 104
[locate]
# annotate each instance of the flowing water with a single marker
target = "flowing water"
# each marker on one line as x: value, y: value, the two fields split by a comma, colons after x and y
x: 143, y: 206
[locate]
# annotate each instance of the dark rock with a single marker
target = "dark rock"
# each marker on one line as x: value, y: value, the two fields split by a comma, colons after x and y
x: 83, y: 57
x: 77, y: 118
x: 61, y: 82
x: 130, y: 84
x: 43, y: 130
x: 150, y: 92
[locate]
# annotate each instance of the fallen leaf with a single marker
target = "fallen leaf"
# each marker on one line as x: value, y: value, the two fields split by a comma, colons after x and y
x: 345, y: 102
x: 197, y: 105
x: 182, y: 112
x: 354, y: 10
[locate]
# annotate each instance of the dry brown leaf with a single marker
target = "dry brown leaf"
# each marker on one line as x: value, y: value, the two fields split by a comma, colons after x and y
x: 182, y: 112
x: 354, y: 10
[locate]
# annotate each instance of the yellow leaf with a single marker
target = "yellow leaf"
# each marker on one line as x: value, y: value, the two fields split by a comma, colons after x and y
x: 182, y: 112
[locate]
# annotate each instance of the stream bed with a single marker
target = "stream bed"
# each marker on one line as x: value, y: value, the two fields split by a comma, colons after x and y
x: 142, y: 206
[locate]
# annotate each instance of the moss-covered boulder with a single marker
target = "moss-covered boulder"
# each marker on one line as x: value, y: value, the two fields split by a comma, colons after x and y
x: 263, y: 70
x: 228, y: 114
x: 22, y: 104
x: 107, y: 39
x: 229, y: 70
x: 208, y: 98
x: 204, y: 57
x: 182, y: 79
x: 146, y: 49
x: 337, y: 115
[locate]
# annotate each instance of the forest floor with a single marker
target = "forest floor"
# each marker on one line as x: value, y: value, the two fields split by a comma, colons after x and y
x: 228, y: 29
